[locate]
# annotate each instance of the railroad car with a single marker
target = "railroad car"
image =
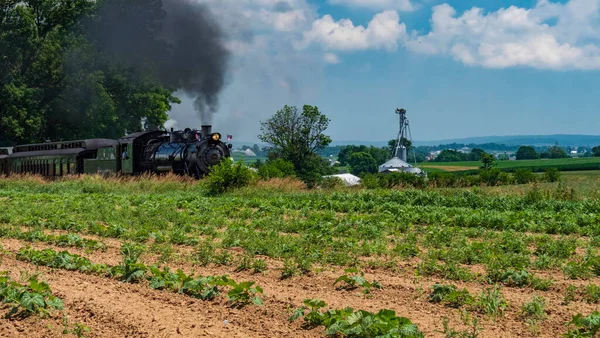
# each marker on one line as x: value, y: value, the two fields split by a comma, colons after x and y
x: 3, y: 161
x: 184, y: 152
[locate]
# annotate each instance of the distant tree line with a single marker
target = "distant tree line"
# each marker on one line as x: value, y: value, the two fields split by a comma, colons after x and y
x: 529, y: 153
x: 449, y: 155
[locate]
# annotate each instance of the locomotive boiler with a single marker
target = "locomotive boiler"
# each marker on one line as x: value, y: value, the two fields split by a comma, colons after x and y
x: 184, y: 152
x: 190, y: 152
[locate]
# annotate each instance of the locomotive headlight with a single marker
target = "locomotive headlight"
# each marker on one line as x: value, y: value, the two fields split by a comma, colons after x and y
x: 215, y: 137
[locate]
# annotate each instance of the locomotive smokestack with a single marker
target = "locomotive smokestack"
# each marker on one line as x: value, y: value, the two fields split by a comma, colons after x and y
x: 206, y: 130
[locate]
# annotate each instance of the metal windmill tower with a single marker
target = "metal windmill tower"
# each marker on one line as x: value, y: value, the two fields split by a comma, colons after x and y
x: 403, y: 134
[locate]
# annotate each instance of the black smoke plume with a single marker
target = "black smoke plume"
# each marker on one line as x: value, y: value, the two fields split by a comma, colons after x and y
x: 178, y: 41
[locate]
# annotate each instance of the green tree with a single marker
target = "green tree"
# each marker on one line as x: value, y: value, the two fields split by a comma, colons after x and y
x: 596, y: 151
x: 487, y: 161
x: 557, y: 152
x: 363, y: 162
x: 296, y: 136
x: 55, y: 84
x: 379, y: 154
x: 476, y: 154
x: 450, y: 155
x: 527, y: 153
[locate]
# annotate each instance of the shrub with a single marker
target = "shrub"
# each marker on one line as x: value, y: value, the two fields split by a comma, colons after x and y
x: 397, y: 179
x: 227, y: 176
x: 552, y: 175
x: 524, y: 176
x: 370, y: 181
x: 277, y: 168
x: 491, y: 177
x: 331, y: 182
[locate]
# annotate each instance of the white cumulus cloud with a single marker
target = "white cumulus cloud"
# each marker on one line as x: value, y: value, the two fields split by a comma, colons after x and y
x: 547, y: 36
x: 401, y: 5
x: 384, y: 31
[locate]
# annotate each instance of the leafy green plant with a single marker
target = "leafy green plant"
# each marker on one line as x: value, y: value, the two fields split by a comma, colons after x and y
x: 130, y: 270
x: 245, y: 263
x: 35, y: 297
x: 290, y: 269
x: 491, y: 302
x: 61, y: 260
x: 588, y: 326
x: 591, y: 293
x: 354, y: 279
x: 354, y: 324
x: 570, y: 294
x: 472, y: 332
x: 259, y: 265
x: 450, y: 296
x: 78, y: 330
x: 227, y: 176
x: 535, y: 309
x: 243, y: 294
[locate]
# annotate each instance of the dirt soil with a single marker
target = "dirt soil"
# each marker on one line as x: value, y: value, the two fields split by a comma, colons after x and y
x: 111, y: 308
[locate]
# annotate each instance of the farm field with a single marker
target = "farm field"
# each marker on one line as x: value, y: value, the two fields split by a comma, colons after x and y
x: 563, y: 164
x: 503, y: 263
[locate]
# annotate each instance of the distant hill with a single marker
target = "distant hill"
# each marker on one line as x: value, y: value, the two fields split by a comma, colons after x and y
x: 534, y: 140
x: 564, y: 140
x: 516, y: 140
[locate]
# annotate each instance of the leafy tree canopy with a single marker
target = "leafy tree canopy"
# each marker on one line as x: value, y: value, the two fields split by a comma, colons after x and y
x: 527, y: 153
x: 55, y: 84
x: 296, y: 135
x: 363, y: 163
x: 557, y: 152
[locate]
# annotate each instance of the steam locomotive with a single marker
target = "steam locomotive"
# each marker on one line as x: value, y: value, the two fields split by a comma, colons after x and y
x: 184, y: 152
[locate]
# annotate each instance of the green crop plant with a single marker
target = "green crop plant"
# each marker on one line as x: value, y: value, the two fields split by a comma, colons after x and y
x: 491, y: 302
x: 591, y: 293
x: 570, y: 295
x: 243, y: 294
x: 535, y: 309
x: 356, y: 324
x: 130, y: 270
x: 353, y: 279
x: 259, y: 265
x: 450, y: 296
x: 34, y: 297
x: 588, y: 326
x: 472, y: 332
x: 61, y: 260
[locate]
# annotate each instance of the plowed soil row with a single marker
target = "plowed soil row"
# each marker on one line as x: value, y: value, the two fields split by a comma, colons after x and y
x: 112, y: 308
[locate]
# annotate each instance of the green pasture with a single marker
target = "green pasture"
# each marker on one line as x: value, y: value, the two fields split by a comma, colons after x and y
x: 563, y: 164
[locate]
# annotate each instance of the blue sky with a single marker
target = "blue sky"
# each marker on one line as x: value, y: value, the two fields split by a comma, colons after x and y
x: 460, y: 68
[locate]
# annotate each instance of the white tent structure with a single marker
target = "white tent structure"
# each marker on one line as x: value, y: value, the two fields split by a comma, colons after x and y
x: 348, y: 179
x: 247, y: 152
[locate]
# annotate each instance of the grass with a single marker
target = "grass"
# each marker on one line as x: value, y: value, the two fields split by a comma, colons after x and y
x: 585, y: 183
